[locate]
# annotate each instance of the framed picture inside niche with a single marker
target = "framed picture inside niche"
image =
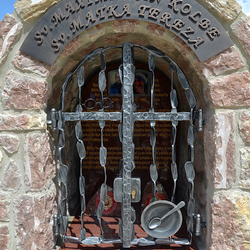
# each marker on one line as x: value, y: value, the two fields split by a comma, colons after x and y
x: 140, y: 87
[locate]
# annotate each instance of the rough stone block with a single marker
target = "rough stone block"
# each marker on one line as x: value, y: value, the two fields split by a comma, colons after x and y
x: 4, y: 238
x: 10, y: 29
x: 230, y: 221
x: 10, y: 143
x: 225, y: 61
x: 219, y: 147
x: 229, y: 91
x: 38, y: 166
x: 4, y: 207
x: 30, y: 9
x: 12, y: 179
x: 33, y: 221
x: 241, y: 28
x: 28, y: 64
x: 22, y: 92
x: 245, y: 168
x: 244, y: 126
x: 227, y: 9
x: 22, y: 122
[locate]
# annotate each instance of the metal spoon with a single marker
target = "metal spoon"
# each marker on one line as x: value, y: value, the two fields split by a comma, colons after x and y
x: 156, y: 222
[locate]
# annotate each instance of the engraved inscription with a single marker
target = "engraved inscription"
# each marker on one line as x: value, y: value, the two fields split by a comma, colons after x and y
x: 187, y: 19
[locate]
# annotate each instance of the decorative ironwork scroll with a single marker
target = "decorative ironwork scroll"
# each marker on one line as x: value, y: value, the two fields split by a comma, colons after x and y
x: 126, y: 188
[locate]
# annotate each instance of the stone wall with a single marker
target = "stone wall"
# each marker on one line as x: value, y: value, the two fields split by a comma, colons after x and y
x: 221, y: 85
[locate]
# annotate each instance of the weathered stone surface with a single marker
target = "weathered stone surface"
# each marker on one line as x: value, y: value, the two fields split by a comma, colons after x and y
x: 32, y: 222
x: 10, y: 29
x: 12, y: 179
x: 245, y: 168
x: 22, y: 92
x: 126, y: 25
x: 230, y: 91
x: 241, y: 28
x: 38, y: 166
x: 22, y: 122
x: 227, y: 60
x: 220, y: 149
x: 28, y: 64
x: 29, y: 9
x: 228, y: 9
x: 230, y: 221
x: 4, y: 207
x: 244, y: 126
x: 4, y: 238
x: 10, y: 143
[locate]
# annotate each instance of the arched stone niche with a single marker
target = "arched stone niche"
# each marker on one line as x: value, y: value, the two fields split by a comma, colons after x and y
x: 220, y: 85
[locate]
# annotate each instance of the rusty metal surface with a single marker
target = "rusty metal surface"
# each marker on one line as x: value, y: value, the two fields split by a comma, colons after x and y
x: 69, y: 18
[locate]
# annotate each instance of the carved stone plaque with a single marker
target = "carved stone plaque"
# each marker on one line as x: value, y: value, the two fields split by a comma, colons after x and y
x: 67, y: 19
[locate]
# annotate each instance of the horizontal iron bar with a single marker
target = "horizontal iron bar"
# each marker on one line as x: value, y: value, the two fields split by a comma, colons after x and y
x: 91, y: 116
x: 136, y: 241
x: 116, y: 116
x: 161, y: 116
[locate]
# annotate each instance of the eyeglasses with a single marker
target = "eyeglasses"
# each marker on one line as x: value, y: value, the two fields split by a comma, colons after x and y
x: 92, y: 103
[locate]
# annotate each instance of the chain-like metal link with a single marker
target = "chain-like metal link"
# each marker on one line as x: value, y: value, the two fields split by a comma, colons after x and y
x: 103, y: 150
x: 153, y: 169
x: 81, y: 152
x: 190, y: 173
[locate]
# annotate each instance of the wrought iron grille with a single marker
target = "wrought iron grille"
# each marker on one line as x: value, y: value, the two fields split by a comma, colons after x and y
x: 154, y: 219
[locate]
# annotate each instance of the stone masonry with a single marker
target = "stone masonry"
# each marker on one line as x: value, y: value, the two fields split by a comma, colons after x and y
x: 28, y: 87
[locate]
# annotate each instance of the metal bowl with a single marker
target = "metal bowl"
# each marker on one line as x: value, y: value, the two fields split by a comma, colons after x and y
x: 169, y: 226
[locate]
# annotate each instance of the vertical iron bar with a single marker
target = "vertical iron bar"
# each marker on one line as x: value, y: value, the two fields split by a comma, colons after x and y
x: 128, y: 126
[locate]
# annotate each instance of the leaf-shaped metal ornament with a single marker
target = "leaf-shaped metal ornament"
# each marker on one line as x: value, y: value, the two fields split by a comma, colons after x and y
x: 78, y: 130
x: 154, y: 154
x: 133, y: 215
x: 191, y: 207
x: 173, y: 135
x: 189, y: 171
x: 153, y: 172
x: 80, y: 76
x: 173, y: 99
x: 102, y: 81
x: 190, y: 98
x: 81, y: 149
x: 151, y: 62
x: 83, y: 205
x: 78, y: 108
x: 120, y: 130
x: 182, y: 78
x: 63, y: 172
x: 152, y: 136
x: 190, y: 224
x: 64, y: 224
x: 82, y: 185
x: 132, y: 165
x: 191, y: 134
x: 174, y: 171
x: 101, y: 124
x: 103, y: 192
x: 103, y: 156
x: 155, y: 50
x: 100, y: 209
